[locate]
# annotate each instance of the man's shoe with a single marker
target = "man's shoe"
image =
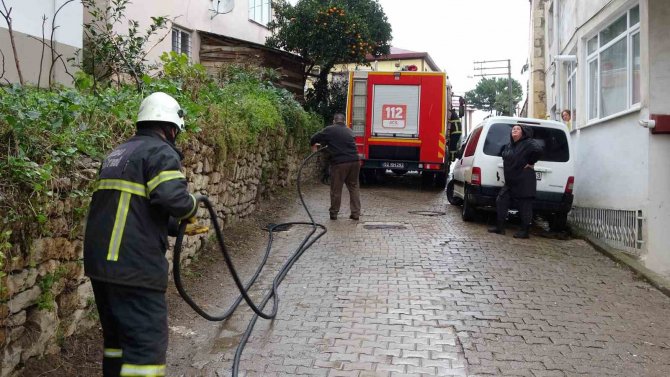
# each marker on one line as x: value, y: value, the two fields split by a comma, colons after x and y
x: 354, y: 217
x: 333, y: 216
x: 495, y: 229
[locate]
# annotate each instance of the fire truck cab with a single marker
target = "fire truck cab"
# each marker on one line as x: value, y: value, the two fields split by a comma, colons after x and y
x: 399, y: 120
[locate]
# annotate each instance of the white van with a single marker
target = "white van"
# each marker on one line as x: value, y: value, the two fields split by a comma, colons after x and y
x: 478, y: 173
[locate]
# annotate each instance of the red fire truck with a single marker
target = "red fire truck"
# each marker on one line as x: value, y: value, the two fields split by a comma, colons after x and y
x: 399, y: 120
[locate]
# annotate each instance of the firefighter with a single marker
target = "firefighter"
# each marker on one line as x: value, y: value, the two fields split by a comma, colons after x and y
x: 140, y: 190
x: 454, y: 133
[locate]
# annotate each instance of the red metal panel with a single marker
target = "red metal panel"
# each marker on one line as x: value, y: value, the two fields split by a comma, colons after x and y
x: 431, y: 110
x: 662, y: 123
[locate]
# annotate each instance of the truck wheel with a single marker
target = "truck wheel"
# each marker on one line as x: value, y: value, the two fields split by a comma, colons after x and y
x: 469, y: 213
x: 450, y: 195
x: 558, y: 222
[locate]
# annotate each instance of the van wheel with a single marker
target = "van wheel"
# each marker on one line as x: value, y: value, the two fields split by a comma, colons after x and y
x: 558, y: 222
x: 468, y: 213
x: 450, y: 195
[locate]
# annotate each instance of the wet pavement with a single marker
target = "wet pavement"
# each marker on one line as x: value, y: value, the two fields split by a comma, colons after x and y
x: 412, y: 290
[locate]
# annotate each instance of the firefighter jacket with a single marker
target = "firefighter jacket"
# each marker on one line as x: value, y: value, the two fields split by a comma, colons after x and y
x: 140, y: 187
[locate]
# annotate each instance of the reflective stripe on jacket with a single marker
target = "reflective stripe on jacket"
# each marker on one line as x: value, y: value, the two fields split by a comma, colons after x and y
x: 140, y: 187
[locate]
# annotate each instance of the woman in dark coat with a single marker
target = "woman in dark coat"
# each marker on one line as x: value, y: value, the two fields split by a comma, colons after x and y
x: 519, y: 158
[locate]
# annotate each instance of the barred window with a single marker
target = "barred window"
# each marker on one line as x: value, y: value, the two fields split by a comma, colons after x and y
x: 181, y: 41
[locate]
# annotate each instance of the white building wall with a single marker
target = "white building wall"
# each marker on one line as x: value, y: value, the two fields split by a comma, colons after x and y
x: 192, y: 16
x: 27, y: 18
x: 656, y: 82
x: 620, y: 165
x: 612, y: 164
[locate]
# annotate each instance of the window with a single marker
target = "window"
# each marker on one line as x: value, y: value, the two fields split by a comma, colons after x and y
x: 181, y: 41
x: 358, y: 110
x: 472, y: 143
x: 614, y: 66
x: 260, y: 11
x: 553, y: 141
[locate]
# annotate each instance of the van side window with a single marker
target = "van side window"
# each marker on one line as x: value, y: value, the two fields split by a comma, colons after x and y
x: 472, y: 143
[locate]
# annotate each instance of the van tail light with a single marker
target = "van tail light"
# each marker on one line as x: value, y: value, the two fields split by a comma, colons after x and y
x: 569, y: 185
x: 476, y: 176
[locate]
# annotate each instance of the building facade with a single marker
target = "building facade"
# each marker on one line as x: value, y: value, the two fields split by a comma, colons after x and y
x: 29, y: 29
x: 608, y: 63
x: 240, y: 19
x: 397, y: 60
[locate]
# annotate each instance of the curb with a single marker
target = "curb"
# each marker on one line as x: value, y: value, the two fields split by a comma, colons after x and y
x: 656, y: 280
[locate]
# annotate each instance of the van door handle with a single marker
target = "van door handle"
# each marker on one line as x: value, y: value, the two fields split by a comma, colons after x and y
x: 498, y: 176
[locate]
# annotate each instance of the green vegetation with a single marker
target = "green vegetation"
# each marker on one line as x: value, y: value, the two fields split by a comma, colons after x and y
x: 47, y: 134
x: 327, y: 33
x: 492, y: 95
x: 46, y: 299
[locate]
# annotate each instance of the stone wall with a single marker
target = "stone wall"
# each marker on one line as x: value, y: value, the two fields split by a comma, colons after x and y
x: 46, y: 296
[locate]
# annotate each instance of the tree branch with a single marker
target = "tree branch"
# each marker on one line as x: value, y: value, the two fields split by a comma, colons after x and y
x: 39, y: 77
x: 53, y: 49
x: 7, y: 15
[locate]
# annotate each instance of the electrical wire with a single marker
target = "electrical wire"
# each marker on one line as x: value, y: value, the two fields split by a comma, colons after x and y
x: 306, y: 243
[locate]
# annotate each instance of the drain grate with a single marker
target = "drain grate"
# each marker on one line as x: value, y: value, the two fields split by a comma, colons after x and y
x: 384, y: 226
x: 428, y: 213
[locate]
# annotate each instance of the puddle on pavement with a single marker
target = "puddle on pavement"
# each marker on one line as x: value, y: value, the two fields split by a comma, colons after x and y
x: 226, y: 342
x: 383, y: 225
x: 428, y: 213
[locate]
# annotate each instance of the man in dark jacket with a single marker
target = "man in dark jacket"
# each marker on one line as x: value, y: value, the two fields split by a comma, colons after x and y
x: 139, y: 191
x: 344, y: 165
x: 519, y: 158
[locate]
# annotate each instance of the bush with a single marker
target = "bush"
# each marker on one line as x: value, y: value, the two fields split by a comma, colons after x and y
x: 47, y: 133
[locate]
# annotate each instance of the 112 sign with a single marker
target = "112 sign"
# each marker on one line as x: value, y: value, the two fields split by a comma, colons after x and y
x: 394, y: 116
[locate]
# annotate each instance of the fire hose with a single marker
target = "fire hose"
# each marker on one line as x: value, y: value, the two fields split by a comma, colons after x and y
x: 317, y: 231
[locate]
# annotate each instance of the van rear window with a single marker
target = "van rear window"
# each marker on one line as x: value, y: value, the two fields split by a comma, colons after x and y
x: 553, y: 141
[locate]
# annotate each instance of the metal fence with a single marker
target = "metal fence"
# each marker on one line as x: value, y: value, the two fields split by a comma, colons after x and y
x: 621, y: 229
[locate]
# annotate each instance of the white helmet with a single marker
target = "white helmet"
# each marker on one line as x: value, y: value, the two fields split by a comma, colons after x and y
x: 161, y: 107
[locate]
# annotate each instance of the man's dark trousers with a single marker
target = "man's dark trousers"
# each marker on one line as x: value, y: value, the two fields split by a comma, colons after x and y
x: 345, y: 173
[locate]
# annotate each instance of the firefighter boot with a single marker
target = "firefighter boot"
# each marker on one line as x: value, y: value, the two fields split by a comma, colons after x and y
x: 499, y: 228
x: 523, y: 233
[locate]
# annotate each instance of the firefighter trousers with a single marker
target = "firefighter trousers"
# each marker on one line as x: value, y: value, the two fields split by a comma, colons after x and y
x: 134, y: 328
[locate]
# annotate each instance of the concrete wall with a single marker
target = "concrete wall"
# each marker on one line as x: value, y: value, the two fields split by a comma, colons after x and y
x: 620, y: 165
x: 195, y: 15
x: 27, y: 25
x: 27, y: 19
x: 612, y: 164
x: 537, y: 104
x: 657, y: 80
x: 30, y: 55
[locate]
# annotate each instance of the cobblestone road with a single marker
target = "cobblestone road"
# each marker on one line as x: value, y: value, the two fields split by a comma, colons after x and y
x: 402, y: 294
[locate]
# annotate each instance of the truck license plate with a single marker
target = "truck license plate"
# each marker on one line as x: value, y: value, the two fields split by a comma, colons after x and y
x: 393, y: 165
x: 538, y: 175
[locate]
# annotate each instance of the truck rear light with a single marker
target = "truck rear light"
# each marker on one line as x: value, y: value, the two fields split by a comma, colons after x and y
x: 476, y: 176
x: 569, y: 185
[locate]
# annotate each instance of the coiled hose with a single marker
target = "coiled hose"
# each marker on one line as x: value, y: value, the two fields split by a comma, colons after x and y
x: 306, y: 243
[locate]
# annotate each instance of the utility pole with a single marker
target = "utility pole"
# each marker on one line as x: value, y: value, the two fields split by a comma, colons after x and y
x: 486, y: 66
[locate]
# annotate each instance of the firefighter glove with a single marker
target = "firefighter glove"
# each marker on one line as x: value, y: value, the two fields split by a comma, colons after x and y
x: 193, y: 229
